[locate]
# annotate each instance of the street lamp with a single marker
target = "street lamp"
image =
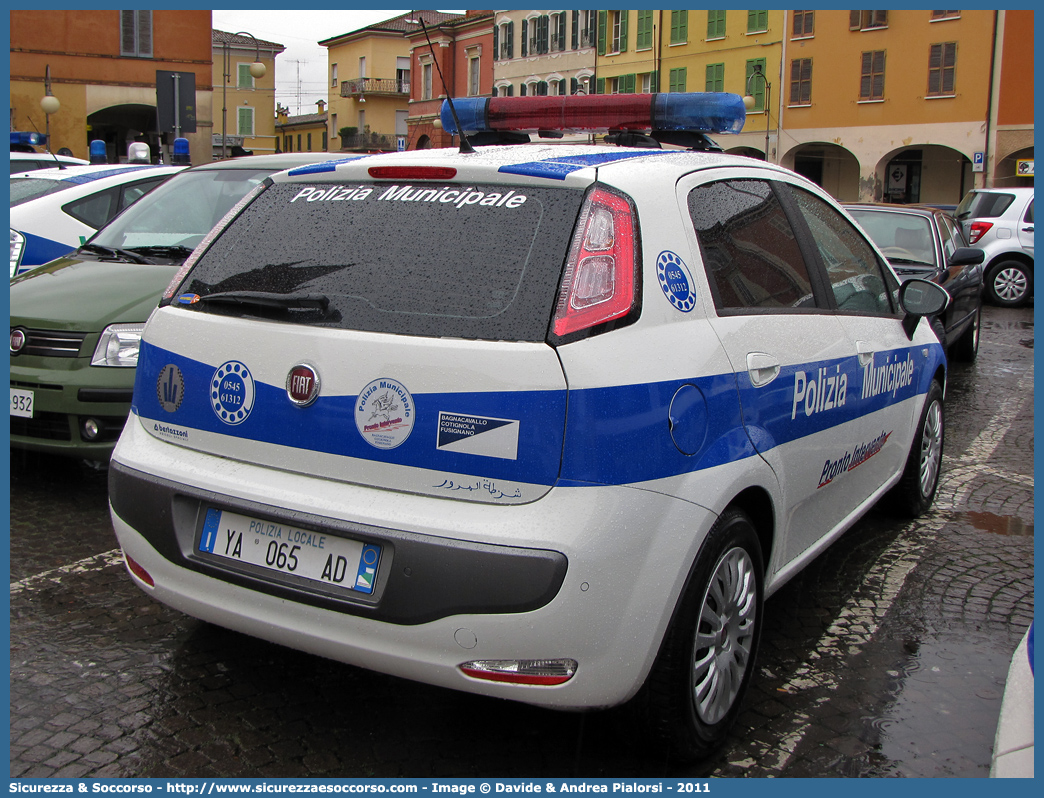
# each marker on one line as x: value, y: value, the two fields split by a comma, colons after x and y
x: 48, y: 104
x: 749, y: 101
x: 257, y: 70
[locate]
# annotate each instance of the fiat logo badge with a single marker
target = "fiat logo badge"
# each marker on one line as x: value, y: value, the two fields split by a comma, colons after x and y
x: 302, y: 385
x: 17, y: 341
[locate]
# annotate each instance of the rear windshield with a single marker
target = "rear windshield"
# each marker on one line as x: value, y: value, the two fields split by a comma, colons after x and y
x: 983, y: 204
x: 435, y: 260
x: 24, y: 189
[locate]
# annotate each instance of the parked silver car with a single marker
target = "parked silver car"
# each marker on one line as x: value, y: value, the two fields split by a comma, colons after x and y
x: 999, y: 221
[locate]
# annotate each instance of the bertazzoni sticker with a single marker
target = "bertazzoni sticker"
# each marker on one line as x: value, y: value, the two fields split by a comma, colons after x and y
x: 489, y: 437
x: 384, y: 413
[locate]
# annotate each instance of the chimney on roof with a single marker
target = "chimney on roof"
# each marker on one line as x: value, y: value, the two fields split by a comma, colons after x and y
x: 322, y: 105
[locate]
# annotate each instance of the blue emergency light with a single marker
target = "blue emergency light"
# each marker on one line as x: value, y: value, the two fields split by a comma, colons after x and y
x: 32, y: 139
x: 703, y: 112
x: 181, y: 152
x: 97, y: 152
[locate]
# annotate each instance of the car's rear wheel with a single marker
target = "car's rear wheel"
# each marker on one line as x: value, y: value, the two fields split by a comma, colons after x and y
x: 702, y: 671
x: 967, y: 346
x: 915, y: 492
x: 1009, y: 283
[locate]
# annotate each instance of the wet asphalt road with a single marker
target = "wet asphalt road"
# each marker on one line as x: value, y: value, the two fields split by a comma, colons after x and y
x: 886, y: 657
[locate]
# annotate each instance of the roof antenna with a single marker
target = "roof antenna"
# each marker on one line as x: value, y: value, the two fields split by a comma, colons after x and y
x: 465, y: 145
x: 58, y: 163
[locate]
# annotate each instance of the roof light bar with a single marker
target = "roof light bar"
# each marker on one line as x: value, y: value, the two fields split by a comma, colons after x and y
x: 705, y: 112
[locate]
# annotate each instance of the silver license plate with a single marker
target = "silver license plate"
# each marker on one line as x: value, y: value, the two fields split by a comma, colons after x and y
x: 317, y: 556
x: 21, y: 403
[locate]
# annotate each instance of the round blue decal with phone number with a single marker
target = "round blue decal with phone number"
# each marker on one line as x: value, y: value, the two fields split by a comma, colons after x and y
x: 676, y: 281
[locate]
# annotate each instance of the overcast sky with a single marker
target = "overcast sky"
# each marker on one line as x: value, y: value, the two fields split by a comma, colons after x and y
x: 301, y: 69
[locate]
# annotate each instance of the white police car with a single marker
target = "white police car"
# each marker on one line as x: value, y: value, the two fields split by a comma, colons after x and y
x: 538, y: 422
x: 55, y: 210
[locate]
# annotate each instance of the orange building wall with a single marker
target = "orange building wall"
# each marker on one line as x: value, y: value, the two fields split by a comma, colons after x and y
x: 84, y: 47
x: 1015, y: 100
x: 836, y: 54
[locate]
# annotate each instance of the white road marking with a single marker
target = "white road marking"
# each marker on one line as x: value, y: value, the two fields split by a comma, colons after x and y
x: 93, y: 563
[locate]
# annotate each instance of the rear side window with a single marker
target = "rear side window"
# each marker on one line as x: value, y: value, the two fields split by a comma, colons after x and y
x: 751, y: 254
x: 96, y: 209
x: 984, y: 204
x: 431, y: 260
x: 30, y: 188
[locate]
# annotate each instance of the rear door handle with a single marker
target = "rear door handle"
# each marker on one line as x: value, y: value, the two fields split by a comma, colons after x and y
x: 865, y: 352
x: 762, y: 368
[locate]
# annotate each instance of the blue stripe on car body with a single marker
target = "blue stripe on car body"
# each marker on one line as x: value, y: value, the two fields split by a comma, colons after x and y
x: 559, y: 168
x: 101, y: 173
x: 605, y: 427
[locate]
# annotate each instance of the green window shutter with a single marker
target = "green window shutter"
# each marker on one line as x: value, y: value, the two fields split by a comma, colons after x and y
x: 757, y: 20
x: 715, y: 77
x: 525, y: 37
x: 643, y: 38
x: 246, y: 122
x: 654, y: 81
x: 574, y: 32
x: 623, y: 30
x: 627, y: 84
x: 715, y: 24
x: 509, y: 36
x: 679, y: 27
x: 600, y: 86
x: 496, y: 42
x: 602, y: 17
x: 678, y: 79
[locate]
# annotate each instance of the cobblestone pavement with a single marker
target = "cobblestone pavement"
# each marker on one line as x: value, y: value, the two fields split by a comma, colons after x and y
x: 886, y: 657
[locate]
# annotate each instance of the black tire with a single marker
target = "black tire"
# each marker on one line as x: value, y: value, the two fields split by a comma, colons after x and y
x: 939, y: 330
x: 702, y: 671
x: 915, y: 492
x: 1009, y: 283
x: 966, y: 349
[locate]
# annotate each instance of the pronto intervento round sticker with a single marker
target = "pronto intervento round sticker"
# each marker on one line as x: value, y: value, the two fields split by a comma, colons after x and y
x: 232, y: 392
x: 384, y: 413
x: 676, y: 281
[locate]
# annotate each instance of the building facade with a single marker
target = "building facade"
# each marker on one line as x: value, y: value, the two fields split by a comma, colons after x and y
x: 304, y: 132
x: 461, y: 49
x: 737, y: 51
x: 369, y: 74
x: 543, y: 52
x: 1009, y: 153
x: 244, y: 105
x: 103, y: 70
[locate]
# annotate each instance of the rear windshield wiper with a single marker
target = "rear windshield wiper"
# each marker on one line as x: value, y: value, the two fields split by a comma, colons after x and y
x: 114, y: 252
x: 268, y: 300
x: 174, y: 251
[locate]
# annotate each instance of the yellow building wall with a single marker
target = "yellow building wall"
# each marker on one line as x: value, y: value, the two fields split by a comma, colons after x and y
x: 261, y: 98
x: 380, y: 51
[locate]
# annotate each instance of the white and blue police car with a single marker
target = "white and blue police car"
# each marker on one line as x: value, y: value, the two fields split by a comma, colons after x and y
x: 541, y: 422
x: 53, y: 211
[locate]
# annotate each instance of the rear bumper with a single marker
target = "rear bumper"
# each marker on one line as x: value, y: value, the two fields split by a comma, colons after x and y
x: 586, y: 573
x: 421, y: 579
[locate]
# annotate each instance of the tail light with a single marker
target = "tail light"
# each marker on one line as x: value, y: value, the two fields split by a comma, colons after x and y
x: 978, y: 230
x: 601, y: 278
x: 136, y: 569
x: 539, y: 672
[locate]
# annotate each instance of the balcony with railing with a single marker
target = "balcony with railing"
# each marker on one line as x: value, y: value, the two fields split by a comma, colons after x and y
x: 387, y: 87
